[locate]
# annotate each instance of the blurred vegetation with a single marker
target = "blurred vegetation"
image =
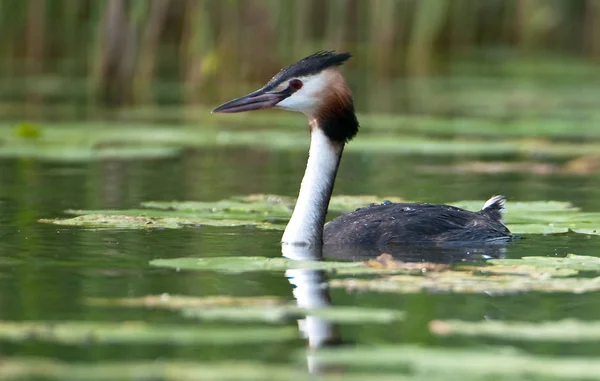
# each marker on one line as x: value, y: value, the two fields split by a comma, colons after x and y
x: 123, y: 52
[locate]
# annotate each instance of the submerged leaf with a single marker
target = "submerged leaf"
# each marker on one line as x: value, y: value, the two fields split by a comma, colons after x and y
x: 565, y: 330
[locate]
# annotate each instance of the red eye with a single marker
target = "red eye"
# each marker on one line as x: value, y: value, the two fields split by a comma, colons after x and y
x: 296, y: 84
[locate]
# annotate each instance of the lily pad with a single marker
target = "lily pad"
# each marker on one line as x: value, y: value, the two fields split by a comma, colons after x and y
x: 125, y: 221
x: 59, y: 153
x: 271, y: 212
x: 179, y: 302
x: 251, y: 309
x: 252, y: 264
x: 469, y: 283
x: 423, y: 363
x: 571, y: 261
x: 338, y: 314
x: 138, y: 332
x: 569, y: 330
x: 545, y: 229
x: 24, y: 368
x: 498, y: 276
x: 267, y: 203
x: 249, y: 264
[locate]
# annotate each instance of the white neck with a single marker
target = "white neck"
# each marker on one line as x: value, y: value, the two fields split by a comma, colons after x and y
x: 306, y: 225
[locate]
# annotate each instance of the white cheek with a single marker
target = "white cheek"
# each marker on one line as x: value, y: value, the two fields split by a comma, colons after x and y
x: 298, y: 102
x: 308, y: 97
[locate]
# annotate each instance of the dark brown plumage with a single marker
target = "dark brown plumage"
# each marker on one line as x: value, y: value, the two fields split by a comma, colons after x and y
x: 393, y: 223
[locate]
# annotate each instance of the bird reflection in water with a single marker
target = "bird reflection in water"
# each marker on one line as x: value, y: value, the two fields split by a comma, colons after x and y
x: 311, y: 290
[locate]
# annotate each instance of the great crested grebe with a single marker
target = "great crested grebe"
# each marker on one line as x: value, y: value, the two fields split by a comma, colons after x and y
x: 315, y: 87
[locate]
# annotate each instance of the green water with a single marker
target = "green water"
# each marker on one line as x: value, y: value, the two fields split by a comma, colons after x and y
x: 49, y: 272
x: 52, y: 273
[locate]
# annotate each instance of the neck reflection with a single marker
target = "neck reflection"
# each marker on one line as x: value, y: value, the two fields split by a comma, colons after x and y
x: 311, y: 291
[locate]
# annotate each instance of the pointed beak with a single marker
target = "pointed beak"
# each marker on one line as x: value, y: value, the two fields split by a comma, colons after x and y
x: 254, y: 101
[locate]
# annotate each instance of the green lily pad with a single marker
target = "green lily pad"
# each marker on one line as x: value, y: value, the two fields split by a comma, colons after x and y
x: 337, y: 268
x: 544, y: 229
x: 23, y: 368
x: 569, y: 330
x: 179, y: 302
x: 27, y: 368
x: 469, y: 283
x: 499, y: 276
x: 271, y: 212
x: 589, y: 231
x: 571, y: 261
x: 250, y: 309
x: 423, y: 363
x: 266, y: 203
x: 125, y: 221
x: 249, y: 264
x: 415, y: 137
x: 252, y: 207
x: 138, y: 332
x: 338, y: 314
x: 517, y: 207
x: 59, y: 153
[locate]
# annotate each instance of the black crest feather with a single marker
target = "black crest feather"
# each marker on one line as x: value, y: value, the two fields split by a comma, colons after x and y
x: 312, y: 64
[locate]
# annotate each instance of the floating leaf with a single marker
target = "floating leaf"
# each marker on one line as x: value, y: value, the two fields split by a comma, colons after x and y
x: 266, y: 203
x: 590, y: 231
x: 254, y: 207
x: 501, y: 276
x: 565, y: 330
x: 145, y: 222
x: 179, y: 302
x: 338, y: 314
x: 518, y: 207
x: 248, y: 264
x: 272, y: 212
x: 138, y: 332
x: 420, y: 363
x: 571, y: 261
x: 465, y: 283
x: 58, y: 153
x: 15, y: 368
x: 521, y: 270
x: 388, y: 262
x: 536, y: 229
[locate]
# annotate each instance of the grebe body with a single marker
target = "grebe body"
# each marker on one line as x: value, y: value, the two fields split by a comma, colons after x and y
x: 396, y: 223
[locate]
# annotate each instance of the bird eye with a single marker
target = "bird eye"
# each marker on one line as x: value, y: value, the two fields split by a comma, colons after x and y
x: 295, y: 84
